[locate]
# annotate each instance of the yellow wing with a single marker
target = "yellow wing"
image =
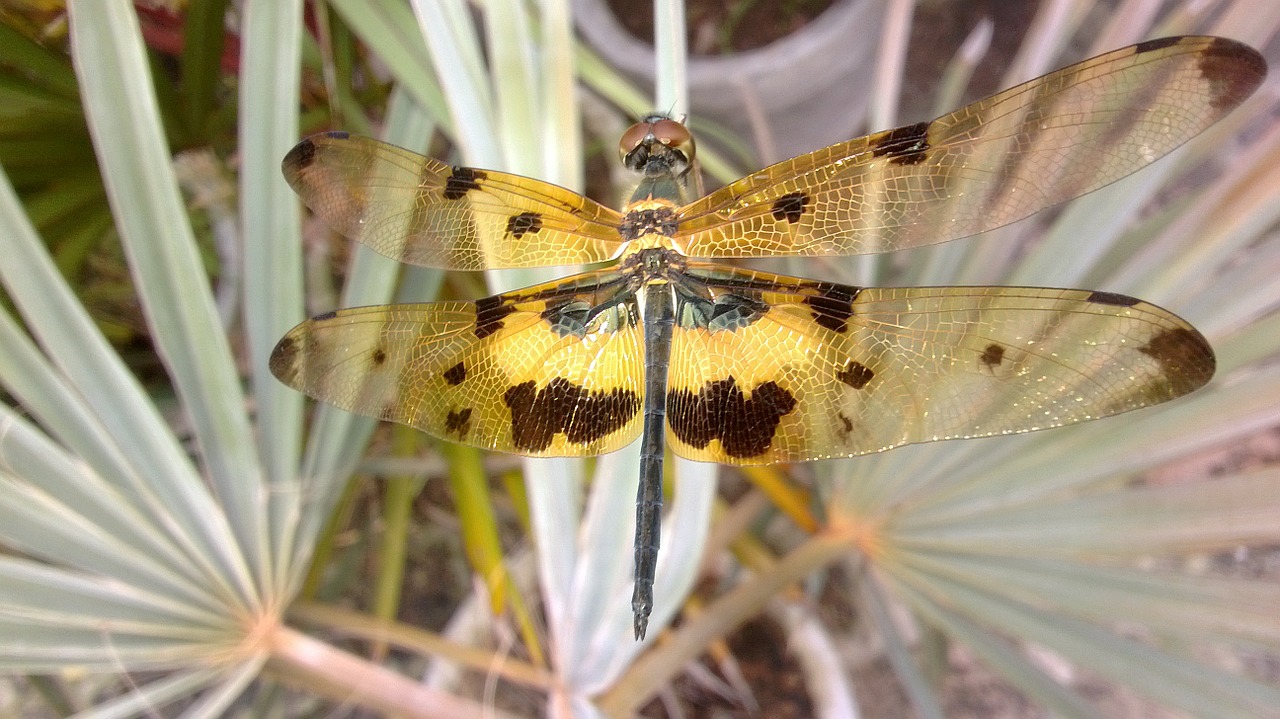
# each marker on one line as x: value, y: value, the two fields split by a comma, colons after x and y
x: 770, y: 369
x: 418, y: 210
x: 983, y: 166
x: 551, y: 370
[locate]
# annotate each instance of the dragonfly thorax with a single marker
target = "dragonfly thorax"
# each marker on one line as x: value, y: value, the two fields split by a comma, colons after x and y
x: 649, y: 222
x: 655, y: 262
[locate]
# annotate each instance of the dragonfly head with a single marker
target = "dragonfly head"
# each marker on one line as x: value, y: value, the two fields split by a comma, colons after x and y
x: 657, y: 146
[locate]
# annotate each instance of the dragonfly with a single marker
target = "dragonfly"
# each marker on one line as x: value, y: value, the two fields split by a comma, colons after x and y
x: 672, y: 345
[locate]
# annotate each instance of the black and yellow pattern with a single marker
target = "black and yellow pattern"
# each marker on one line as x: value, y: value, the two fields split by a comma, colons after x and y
x: 748, y: 367
x: 983, y: 166
x: 823, y: 370
x: 422, y: 211
x: 551, y: 370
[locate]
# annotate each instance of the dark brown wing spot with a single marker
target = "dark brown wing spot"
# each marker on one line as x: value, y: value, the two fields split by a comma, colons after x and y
x: 1111, y: 298
x: 490, y: 312
x: 525, y: 222
x: 379, y: 357
x: 590, y: 416
x: 531, y: 429
x: 1185, y: 358
x: 458, y: 423
x: 284, y: 357
x: 720, y: 410
x: 1234, y: 69
x: 832, y: 304
x: 904, y: 145
x: 562, y: 407
x: 993, y: 355
x: 855, y: 374
x: 324, y: 316
x: 846, y: 425
x: 300, y: 157
x: 455, y: 374
x: 1156, y: 44
x: 790, y: 207
x: 462, y: 181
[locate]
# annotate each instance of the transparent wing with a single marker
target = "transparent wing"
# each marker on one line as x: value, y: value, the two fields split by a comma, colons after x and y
x: 551, y: 370
x: 418, y: 210
x: 985, y: 165
x: 770, y: 369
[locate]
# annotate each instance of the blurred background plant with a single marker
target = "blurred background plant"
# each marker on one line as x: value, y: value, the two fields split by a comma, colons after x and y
x: 174, y: 521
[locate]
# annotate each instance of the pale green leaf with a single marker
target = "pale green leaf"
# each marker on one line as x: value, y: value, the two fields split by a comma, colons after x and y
x: 129, y: 140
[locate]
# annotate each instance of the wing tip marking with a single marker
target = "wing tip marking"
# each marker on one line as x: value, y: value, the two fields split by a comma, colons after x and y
x: 1185, y: 357
x: 298, y: 159
x: 284, y: 358
x: 1234, y: 71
